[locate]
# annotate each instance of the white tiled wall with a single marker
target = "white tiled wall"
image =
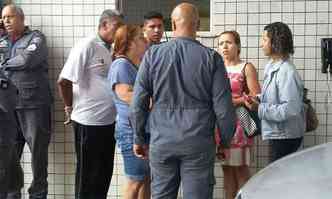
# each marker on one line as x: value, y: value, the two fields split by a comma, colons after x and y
x: 66, y: 21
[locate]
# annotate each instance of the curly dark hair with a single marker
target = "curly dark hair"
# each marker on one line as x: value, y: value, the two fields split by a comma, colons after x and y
x: 281, y: 39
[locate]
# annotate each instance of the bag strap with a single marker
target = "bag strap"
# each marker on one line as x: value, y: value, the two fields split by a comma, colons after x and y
x: 243, y: 71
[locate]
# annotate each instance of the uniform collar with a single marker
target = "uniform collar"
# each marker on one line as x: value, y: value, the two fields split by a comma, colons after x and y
x: 187, y: 38
x: 25, y: 32
x: 102, y: 42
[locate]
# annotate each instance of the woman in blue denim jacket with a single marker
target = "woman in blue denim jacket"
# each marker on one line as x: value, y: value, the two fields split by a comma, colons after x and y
x: 281, y: 103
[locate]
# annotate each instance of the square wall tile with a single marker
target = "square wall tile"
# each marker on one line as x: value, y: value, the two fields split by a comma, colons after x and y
x: 253, y: 7
x: 299, y: 6
x: 230, y: 8
x: 287, y: 6
x: 219, y: 7
x: 242, y: 7
x: 265, y: 7
x: 310, y: 6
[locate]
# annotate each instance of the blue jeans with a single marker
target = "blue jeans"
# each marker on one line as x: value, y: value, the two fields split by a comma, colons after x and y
x: 135, y: 168
x: 124, y: 136
x: 170, y: 167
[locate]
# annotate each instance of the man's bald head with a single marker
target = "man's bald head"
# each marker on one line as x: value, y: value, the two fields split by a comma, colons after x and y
x: 185, y: 18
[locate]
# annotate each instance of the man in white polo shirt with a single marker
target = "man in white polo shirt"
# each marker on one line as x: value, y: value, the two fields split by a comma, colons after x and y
x: 88, y: 104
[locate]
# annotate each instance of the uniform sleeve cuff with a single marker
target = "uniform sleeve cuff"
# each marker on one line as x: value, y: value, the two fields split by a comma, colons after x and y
x: 139, y: 141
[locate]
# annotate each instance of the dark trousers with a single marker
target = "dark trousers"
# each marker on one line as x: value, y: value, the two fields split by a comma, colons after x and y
x: 95, y: 147
x: 282, y: 147
x: 35, y: 130
x: 194, y: 171
x: 11, y: 173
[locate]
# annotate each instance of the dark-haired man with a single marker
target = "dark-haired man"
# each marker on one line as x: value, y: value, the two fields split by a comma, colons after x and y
x: 153, y: 27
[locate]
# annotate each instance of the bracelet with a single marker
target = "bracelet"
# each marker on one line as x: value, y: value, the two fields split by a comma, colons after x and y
x: 68, y: 108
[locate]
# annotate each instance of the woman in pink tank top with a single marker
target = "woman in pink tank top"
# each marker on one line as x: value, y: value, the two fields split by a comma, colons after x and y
x: 244, y: 84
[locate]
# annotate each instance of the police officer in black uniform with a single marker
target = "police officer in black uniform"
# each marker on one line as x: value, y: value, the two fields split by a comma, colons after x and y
x: 11, y: 174
x: 24, y: 54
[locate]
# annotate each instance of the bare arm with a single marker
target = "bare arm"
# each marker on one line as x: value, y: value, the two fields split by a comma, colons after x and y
x: 65, y: 88
x: 253, y: 86
x: 252, y: 80
x: 124, y: 92
x: 238, y: 100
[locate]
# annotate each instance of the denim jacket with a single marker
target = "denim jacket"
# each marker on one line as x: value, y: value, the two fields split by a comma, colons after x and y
x: 281, y: 109
x: 190, y: 92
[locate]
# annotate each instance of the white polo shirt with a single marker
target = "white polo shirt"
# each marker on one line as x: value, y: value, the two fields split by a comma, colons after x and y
x: 87, y: 67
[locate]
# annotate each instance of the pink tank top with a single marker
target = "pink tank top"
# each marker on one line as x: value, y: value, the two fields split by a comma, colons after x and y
x: 237, y: 81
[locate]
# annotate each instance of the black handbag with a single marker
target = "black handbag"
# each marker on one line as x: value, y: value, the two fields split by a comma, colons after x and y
x: 249, y: 121
x: 253, y: 115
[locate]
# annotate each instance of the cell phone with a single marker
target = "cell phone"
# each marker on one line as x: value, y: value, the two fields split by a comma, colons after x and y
x: 258, y: 98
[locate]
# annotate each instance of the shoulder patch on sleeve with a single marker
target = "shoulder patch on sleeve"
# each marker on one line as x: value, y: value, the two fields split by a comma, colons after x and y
x: 3, y: 44
x: 32, y: 47
x: 36, y: 40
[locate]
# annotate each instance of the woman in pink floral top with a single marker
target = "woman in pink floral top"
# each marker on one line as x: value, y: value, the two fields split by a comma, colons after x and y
x: 244, y: 84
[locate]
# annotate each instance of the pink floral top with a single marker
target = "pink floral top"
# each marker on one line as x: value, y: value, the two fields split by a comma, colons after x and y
x: 236, y: 77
